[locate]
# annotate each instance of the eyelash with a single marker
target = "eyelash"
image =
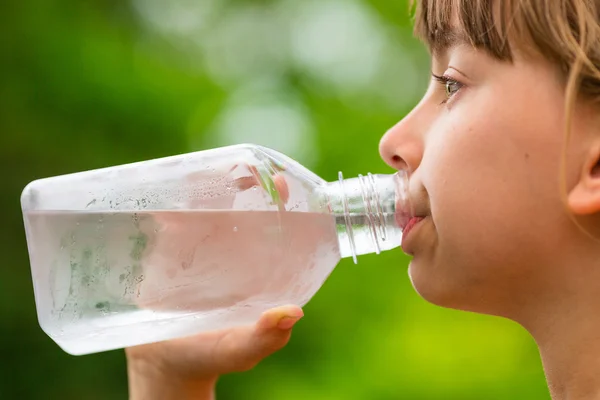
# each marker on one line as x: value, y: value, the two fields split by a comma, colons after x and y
x: 446, y: 81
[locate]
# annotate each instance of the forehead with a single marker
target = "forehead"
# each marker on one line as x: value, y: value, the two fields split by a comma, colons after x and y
x: 442, y: 24
x: 446, y: 39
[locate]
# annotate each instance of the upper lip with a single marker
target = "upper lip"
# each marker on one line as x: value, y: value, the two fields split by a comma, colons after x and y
x: 411, y: 206
x: 404, y: 218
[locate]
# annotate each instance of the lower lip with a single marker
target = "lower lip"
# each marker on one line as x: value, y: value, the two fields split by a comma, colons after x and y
x: 412, y: 223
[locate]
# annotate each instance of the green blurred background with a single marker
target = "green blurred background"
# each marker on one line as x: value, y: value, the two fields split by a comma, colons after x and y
x: 89, y: 84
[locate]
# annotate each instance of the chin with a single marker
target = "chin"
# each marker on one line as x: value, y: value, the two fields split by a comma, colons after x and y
x: 437, y: 288
x: 426, y: 284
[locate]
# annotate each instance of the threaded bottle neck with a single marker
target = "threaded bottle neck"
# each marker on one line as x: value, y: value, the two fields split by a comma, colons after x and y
x: 366, y: 210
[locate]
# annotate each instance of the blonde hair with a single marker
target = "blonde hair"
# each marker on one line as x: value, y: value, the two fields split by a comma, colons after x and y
x: 563, y: 32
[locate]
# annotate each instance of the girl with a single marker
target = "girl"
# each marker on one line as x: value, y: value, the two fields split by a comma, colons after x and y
x: 504, y: 156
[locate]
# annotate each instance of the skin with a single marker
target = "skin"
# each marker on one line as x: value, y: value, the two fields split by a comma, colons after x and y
x: 499, y: 236
x: 189, y: 368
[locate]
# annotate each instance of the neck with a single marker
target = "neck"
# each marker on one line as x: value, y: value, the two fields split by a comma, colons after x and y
x: 571, y: 359
x: 567, y: 331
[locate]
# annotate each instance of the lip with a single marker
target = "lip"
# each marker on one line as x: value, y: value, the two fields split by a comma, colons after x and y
x: 402, y: 219
x: 411, y: 226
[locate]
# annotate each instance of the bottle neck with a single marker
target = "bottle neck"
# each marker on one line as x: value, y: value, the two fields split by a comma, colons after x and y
x: 369, y: 211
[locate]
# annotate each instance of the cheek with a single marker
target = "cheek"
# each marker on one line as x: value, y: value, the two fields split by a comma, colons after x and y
x: 492, y: 181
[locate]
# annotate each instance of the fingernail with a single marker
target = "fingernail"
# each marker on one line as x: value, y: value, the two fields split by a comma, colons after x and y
x: 287, y: 322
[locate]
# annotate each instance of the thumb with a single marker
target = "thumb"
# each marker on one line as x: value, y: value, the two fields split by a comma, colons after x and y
x: 271, y: 333
x: 281, y: 318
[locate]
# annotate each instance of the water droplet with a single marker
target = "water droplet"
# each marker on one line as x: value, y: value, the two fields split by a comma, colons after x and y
x: 235, y: 228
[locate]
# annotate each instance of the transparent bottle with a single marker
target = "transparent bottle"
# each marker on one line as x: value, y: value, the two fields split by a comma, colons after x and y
x: 171, y: 247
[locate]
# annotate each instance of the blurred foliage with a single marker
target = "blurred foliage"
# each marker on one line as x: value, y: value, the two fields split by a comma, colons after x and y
x: 98, y: 83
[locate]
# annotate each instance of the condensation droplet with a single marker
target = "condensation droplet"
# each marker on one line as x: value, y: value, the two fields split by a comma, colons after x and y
x: 235, y: 228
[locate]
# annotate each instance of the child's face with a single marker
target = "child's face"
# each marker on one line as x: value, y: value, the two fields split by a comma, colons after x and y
x: 484, y: 151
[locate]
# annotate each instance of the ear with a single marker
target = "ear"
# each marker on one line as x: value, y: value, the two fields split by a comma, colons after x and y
x: 584, y: 198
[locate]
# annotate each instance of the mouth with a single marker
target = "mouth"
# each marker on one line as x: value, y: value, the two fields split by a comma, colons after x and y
x: 412, y: 222
x: 409, y: 215
x: 412, y: 225
x: 407, y: 221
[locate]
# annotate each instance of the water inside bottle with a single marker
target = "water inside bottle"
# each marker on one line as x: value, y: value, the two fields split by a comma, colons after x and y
x: 107, y: 280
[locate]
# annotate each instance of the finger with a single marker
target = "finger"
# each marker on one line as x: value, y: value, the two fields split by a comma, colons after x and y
x: 273, y: 330
x: 246, y: 346
x: 247, y: 182
x: 282, y: 318
x: 282, y: 188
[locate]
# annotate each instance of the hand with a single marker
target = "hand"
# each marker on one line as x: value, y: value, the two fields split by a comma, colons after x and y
x: 189, y: 367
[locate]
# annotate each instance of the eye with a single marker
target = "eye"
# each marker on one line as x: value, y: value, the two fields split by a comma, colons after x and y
x: 451, y: 86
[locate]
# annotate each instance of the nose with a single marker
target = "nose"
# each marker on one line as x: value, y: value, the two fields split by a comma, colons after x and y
x: 402, y: 145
